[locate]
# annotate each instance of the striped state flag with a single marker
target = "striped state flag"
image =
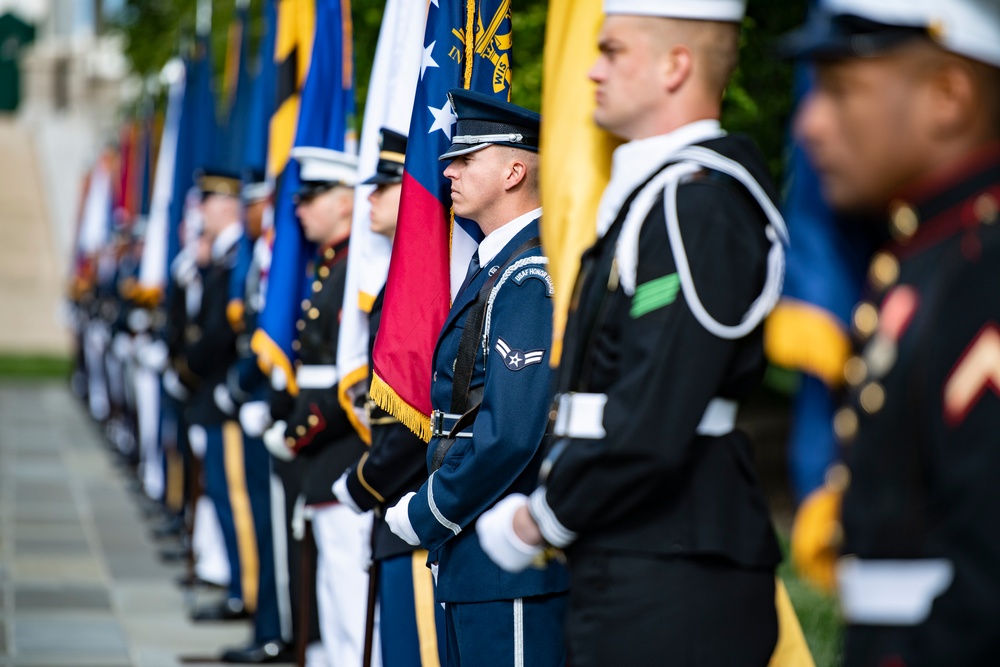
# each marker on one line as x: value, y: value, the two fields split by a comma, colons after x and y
x: 327, y: 107
x: 390, y: 103
x: 466, y: 45
x: 295, y: 27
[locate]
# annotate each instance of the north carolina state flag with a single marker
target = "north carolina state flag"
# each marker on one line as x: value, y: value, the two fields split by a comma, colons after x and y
x: 431, y: 252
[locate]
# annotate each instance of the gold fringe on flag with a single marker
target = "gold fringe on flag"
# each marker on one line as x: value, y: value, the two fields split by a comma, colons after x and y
x: 270, y: 355
x: 805, y: 337
x: 387, y: 399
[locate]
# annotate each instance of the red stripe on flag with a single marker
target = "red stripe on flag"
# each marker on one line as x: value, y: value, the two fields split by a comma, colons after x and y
x: 417, y: 301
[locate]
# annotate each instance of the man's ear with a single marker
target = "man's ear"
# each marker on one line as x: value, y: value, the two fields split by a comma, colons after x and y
x: 516, y: 171
x: 676, y: 67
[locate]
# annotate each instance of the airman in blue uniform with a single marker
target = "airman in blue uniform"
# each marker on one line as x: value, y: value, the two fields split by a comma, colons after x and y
x: 490, y: 391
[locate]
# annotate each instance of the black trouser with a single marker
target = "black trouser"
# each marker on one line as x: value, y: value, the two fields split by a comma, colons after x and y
x: 628, y: 610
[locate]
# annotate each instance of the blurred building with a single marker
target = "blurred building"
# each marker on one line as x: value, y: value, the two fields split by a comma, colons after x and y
x: 71, y: 81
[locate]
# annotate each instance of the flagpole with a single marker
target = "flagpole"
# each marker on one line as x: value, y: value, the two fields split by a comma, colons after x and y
x: 203, y: 18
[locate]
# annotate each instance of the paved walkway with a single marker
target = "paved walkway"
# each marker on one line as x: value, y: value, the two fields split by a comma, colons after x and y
x: 80, y: 583
x: 32, y: 271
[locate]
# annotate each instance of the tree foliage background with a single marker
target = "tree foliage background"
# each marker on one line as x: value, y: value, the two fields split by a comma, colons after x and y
x: 758, y: 101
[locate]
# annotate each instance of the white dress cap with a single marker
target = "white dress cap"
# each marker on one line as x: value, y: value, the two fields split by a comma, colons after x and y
x: 970, y: 28
x: 731, y: 11
x: 326, y: 166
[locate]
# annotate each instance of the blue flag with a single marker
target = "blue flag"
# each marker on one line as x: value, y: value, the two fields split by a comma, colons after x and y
x: 326, y: 109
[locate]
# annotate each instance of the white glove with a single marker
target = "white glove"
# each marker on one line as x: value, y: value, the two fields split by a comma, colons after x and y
x: 278, y: 379
x: 343, y: 495
x: 153, y: 355
x: 495, y: 529
x: 274, y: 440
x: 198, y: 440
x: 223, y: 400
x: 172, y: 385
x: 139, y: 320
x: 255, y: 417
x: 121, y: 345
x: 398, y: 519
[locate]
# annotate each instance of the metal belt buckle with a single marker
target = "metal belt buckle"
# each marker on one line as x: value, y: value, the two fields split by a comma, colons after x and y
x: 437, y: 424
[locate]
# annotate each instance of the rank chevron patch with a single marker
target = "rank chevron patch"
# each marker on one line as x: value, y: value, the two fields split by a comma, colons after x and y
x: 515, y: 360
x: 977, y: 370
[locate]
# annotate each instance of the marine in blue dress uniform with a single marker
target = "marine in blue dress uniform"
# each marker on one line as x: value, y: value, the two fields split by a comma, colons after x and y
x: 647, y: 485
x: 904, y: 125
x: 501, y: 386
x: 394, y: 465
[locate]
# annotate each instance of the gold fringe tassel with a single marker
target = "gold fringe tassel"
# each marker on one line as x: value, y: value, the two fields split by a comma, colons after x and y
x: 805, y: 337
x: 234, y: 313
x: 269, y: 354
x: 387, y: 399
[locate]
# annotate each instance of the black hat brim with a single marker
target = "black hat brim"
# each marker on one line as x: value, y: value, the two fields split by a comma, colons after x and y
x: 837, y: 37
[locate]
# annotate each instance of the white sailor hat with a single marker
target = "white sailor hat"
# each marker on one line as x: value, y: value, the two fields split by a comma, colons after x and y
x: 323, y: 165
x: 862, y: 28
x: 730, y: 11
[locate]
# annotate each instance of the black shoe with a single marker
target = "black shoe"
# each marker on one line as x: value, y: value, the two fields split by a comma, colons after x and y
x: 174, y: 554
x: 259, y: 654
x: 227, y: 610
x: 194, y: 581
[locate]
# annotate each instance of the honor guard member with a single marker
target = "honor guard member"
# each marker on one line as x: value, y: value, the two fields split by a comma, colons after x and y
x: 490, y: 393
x: 208, y: 351
x: 904, y: 122
x: 394, y: 465
x: 647, y: 486
x: 314, y: 436
x: 244, y: 393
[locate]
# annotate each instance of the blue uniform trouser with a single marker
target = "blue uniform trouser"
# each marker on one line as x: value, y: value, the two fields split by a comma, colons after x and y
x: 237, y: 479
x: 411, y: 623
x: 525, y: 632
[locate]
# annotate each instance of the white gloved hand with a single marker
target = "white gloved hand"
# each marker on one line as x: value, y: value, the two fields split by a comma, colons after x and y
x: 398, y: 519
x: 255, y: 417
x: 223, y: 400
x: 274, y: 440
x: 278, y: 379
x: 344, y: 495
x: 121, y: 345
x: 153, y: 355
x: 172, y: 385
x: 139, y: 320
x: 495, y: 529
x: 198, y: 440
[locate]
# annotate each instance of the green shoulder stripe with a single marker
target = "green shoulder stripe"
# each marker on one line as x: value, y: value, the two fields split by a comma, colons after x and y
x: 654, y: 295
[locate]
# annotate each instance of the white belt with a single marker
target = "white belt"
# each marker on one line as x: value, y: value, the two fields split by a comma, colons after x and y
x: 891, y: 592
x: 581, y: 415
x: 318, y: 376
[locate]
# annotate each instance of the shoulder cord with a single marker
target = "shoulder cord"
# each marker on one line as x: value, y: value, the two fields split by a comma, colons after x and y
x: 511, y: 270
x: 692, y: 160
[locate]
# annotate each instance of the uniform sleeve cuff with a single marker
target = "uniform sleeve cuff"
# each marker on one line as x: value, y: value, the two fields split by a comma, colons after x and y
x: 551, y: 528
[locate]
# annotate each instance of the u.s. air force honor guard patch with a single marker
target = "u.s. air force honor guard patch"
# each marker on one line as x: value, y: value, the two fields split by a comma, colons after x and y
x: 515, y: 360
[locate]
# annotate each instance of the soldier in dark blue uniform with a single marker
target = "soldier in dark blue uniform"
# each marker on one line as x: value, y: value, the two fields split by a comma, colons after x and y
x: 209, y: 348
x: 246, y: 385
x: 648, y: 486
x: 490, y: 391
x: 904, y: 124
x: 312, y: 440
x: 394, y: 465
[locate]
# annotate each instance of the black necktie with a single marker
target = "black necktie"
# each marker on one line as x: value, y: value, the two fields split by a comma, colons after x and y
x: 471, y: 273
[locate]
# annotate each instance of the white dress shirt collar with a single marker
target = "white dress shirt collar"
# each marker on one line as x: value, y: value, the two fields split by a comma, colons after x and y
x: 498, y: 238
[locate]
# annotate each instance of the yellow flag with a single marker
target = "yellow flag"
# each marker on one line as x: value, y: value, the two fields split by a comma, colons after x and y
x: 576, y: 154
x: 292, y: 54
